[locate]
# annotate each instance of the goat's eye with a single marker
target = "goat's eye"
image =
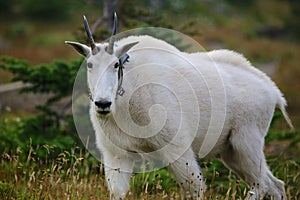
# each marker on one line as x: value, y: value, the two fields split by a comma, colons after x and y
x: 116, y: 65
x: 89, y: 65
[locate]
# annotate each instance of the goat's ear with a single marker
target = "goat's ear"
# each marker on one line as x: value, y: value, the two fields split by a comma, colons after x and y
x: 123, y: 49
x: 80, y: 48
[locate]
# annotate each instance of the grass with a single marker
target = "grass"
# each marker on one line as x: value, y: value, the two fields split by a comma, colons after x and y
x: 49, y: 172
x: 66, y: 177
x: 75, y: 174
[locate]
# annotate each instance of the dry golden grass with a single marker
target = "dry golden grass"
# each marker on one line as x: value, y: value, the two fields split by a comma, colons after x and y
x: 79, y: 176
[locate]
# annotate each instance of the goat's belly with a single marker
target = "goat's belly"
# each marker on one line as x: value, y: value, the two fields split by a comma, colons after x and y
x: 212, y: 143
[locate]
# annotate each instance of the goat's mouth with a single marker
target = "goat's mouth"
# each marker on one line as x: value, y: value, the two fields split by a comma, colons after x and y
x: 103, y: 111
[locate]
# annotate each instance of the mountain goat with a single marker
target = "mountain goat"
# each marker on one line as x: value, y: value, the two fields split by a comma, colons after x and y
x: 150, y: 99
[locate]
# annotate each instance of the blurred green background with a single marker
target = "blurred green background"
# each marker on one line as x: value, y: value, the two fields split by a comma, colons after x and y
x: 38, y: 125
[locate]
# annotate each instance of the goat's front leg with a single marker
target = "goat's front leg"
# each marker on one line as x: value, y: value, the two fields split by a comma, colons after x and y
x: 188, y: 174
x: 118, y: 169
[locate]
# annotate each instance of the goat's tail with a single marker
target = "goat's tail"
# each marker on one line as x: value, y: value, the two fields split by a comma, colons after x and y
x: 281, y: 105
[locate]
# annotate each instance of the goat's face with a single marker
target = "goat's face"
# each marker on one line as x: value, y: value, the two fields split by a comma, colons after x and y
x: 102, y: 76
x: 104, y: 68
x: 103, y: 73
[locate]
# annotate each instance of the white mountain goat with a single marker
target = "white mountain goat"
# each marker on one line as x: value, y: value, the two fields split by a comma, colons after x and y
x: 122, y: 122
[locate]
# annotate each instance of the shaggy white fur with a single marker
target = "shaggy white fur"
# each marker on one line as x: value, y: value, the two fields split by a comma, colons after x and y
x: 179, y: 107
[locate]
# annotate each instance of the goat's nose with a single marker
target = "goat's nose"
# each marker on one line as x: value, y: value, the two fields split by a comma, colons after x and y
x: 103, y: 104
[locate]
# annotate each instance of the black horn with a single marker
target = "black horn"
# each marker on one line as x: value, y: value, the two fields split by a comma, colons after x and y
x: 110, y: 48
x: 89, y: 35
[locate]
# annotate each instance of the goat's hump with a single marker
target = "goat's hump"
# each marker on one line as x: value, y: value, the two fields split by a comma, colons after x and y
x: 238, y: 60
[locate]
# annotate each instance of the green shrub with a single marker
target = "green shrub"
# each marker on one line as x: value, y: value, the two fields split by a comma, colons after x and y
x: 10, y: 133
x: 52, y: 127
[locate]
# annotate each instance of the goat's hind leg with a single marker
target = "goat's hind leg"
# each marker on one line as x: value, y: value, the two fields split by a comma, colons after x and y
x: 246, y: 158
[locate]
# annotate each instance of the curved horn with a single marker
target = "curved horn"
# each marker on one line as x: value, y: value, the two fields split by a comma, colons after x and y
x: 110, y: 48
x: 89, y: 34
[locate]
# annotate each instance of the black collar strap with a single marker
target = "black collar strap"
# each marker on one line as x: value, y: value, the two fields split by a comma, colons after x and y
x: 122, y: 60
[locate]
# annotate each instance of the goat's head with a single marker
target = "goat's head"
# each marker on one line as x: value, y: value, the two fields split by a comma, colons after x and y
x: 104, y: 74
